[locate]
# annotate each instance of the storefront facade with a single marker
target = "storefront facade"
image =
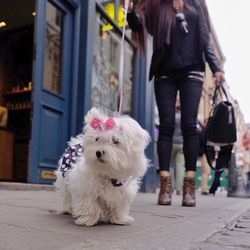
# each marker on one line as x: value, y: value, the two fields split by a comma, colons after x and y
x: 75, y: 65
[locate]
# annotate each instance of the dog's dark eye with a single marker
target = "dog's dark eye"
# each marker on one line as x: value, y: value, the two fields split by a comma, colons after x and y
x: 115, y: 140
x: 96, y: 139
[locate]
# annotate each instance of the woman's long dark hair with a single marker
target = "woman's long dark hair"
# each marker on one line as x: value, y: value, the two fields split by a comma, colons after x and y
x: 158, y: 18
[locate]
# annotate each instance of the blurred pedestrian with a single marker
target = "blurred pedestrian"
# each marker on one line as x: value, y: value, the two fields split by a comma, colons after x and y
x: 221, y: 161
x: 205, y: 168
x: 206, y: 171
x: 177, y: 162
x: 181, y: 44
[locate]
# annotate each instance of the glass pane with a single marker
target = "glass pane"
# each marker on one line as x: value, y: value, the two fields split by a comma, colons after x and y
x: 105, y: 72
x: 53, y: 50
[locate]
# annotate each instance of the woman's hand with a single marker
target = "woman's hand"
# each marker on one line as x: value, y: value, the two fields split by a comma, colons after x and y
x: 128, y: 3
x: 219, y: 78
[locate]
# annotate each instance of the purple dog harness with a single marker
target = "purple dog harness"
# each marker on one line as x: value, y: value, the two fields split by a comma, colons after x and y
x: 69, y: 157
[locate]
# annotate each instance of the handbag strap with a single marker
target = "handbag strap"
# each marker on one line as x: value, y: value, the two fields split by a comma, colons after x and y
x: 209, y: 160
x: 218, y: 168
x: 215, y: 160
x: 206, y: 151
x: 217, y: 90
x: 216, y: 153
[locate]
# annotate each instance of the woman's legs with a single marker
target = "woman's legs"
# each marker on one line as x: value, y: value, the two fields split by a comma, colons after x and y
x: 190, y: 93
x: 165, y: 93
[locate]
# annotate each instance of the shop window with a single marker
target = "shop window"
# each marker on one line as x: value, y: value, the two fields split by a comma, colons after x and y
x: 106, y: 59
x: 53, y: 50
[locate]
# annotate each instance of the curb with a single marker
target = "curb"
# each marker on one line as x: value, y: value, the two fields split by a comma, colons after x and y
x: 25, y: 186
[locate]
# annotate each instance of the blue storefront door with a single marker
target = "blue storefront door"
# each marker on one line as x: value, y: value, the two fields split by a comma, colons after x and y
x: 53, y: 85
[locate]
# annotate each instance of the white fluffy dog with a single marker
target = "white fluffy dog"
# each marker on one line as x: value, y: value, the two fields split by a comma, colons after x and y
x: 100, y: 183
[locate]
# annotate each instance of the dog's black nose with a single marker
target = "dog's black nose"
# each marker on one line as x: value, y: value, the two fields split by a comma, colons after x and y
x: 98, y: 154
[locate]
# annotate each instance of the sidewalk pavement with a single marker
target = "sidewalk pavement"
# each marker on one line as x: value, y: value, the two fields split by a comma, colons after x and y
x: 216, y: 223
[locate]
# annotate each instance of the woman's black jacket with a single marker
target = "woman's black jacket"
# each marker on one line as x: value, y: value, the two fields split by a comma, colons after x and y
x: 205, y: 43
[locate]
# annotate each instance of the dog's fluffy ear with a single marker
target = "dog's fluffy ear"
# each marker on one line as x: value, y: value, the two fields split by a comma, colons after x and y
x: 137, y: 137
x: 92, y: 114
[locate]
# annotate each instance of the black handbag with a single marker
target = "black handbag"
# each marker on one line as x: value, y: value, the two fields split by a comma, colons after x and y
x: 221, y: 126
x: 220, y: 131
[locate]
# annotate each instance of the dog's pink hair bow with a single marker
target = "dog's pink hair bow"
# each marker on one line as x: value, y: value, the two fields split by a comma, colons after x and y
x: 99, y: 125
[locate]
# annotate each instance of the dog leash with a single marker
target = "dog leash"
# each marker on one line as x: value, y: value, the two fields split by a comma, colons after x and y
x: 121, y: 63
x: 73, y: 152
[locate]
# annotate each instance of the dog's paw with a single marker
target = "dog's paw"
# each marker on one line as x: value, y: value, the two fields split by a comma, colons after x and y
x: 125, y: 220
x: 86, y: 220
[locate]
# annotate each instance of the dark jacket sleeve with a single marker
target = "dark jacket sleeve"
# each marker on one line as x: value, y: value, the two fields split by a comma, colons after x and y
x: 134, y: 21
x: 205, y: 30
x: 211, y: 57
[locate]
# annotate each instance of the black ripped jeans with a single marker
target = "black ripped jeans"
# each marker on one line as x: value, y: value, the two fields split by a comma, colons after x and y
x: 166, y: 89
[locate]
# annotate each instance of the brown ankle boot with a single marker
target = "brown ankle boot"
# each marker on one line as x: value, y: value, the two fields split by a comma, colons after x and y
x: 188, y: 192
x: 165, y: 191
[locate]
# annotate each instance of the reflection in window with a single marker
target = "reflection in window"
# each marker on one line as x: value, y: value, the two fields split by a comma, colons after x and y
x: 53, y: 49
x: 105, y: 72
